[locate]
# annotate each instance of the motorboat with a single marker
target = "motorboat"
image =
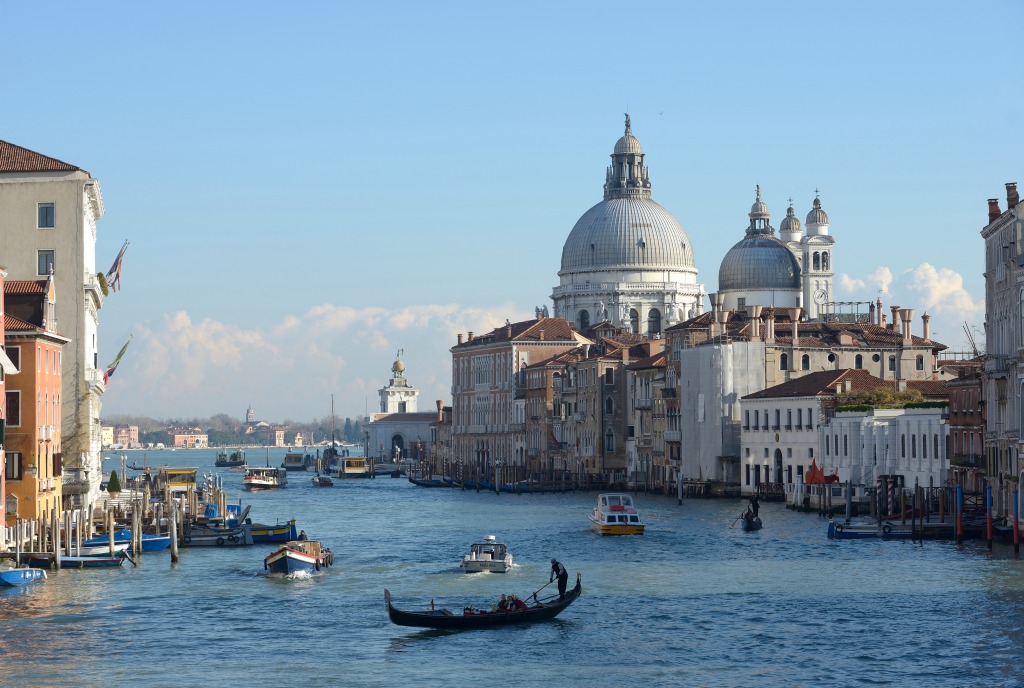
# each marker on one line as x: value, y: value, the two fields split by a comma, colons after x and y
x: 487, y: 556
x: 352, y: 467
x: 615, y: 514
x: 322, y: 481
x: 12, y: 576
x: 234, y: 459
x: 297, y: 556
x: 857, y: 531
x: 264, y: 477
x: 470, y: 617
x: 42, y: 561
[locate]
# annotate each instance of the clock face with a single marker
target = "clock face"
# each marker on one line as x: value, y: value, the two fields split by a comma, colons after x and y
x: 820, y: 296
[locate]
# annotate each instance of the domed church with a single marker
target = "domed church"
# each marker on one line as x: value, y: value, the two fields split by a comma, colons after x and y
x: 628, y: 260
x: 791, y: 270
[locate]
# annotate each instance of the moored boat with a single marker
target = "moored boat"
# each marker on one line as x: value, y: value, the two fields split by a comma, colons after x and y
x: 234, y: 459
x: 488, y: 556
x: 79, y: 562
x: 218, y: 537
x: 322, y: 481
x: 615, y: 514
x: 13, y: 576
x: 432, y: 481
x: 150, y: 543
x: 297, y: 461
x: 858, y: 531
x: 299, y: 556
x: 264, y: 478
x: 470, y: 617
x: 352, y: 467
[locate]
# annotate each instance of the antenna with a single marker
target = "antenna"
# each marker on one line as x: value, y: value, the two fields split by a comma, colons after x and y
x: 970, y: 339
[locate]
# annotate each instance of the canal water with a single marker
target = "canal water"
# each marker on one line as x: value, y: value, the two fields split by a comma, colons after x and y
x: 694, y: 602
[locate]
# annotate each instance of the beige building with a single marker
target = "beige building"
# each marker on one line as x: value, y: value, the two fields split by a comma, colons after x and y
x: 48, y: 215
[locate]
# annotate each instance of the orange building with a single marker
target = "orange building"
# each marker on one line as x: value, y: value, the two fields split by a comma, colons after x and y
x: 32, y: 401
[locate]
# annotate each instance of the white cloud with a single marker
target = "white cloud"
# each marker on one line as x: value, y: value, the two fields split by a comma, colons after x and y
x: 876, y: 281
x: 941, y: 291
x: 180, y: 369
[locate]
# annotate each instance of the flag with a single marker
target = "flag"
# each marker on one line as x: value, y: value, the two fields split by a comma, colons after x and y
x: 113, y: 366
x: 114, y: 273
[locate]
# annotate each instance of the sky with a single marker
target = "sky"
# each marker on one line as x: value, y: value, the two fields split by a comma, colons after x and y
x: 310, y: 187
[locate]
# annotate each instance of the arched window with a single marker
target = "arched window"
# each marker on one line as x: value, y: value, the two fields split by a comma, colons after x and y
x: 824, y: 260
x: 784, y: 362
x: 634, y: 320
x: 817, y: 260
x: 920, y: 362
x: 609, y: 440
x: 609, y: 406
x: 858, y: 361
x: 892, y: 364
x: 584, y: 320
x: 924, y: 446
x: 653, y: 322
x: 805, y: 362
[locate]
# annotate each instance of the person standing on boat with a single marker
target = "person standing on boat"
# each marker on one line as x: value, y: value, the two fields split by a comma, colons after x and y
x: 302, y: 535
x: 754, y: 504
x: 563, y: 576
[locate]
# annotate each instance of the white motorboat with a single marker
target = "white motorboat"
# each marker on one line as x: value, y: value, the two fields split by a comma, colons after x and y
x: 615, y: 514
x: 487, y: 556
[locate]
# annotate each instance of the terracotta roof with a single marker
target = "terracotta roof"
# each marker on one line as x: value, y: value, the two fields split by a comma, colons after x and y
x: 823, y: 383
x: 930, y: 389
x: 554, y: 330
x: 15, y: 324
x: 25, y: 287
x: 17, y: 159
x: 658, y: 360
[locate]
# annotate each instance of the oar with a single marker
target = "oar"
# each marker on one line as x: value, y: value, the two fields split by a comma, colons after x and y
x: 737, y: 519
x: 534, y: 595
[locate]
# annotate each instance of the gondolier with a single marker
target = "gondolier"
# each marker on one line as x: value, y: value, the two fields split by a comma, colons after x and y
x: 557, y: 570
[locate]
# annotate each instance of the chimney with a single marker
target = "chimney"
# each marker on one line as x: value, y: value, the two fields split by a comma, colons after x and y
x: 541, y: 334
x: 1012, y: 197
x: 586, y: 351
x: 440, y: 415
x: 907, y: 318
x: 895, y: 311
x: 901, y: 385
x: 625, y: 354
x: 470, y: 335
x: 926, y: 333
x: 755, y: 321
x: 508, y: 332
x: 872, y: 313
x: 769, y: 327
x: 847, y: 386
x: 794, y: 315
x: 880, y: 313
x: 460, y: 338
x: 714, y: 306
x: 993, y: 209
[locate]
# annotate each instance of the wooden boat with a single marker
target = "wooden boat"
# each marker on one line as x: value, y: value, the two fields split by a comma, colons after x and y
x: 858, y: 531
x: 543, y: 610
x: 218, y: 537
x: 298, y: 556
x: 12, y: 576
x: 432, y: 481
x: 749, y: 521
x: 264, y: 477
x: 488, y: 556
x: 280, y: 532
x: 78, y: 562
x: 100, y: 550
x: 322, y: 481
x: 230, y: 459
x: 150, y: 543
x: 615, y: 514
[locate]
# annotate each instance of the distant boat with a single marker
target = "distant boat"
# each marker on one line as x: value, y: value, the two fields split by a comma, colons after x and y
x: 488, y: 556
x: 322, y: 481
x: 230, y: 459
x: 615, y: 514
x: 264, y: 477
x: 352, y: 467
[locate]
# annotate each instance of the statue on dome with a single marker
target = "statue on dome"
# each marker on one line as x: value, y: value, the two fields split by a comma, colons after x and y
x: 627, y: 124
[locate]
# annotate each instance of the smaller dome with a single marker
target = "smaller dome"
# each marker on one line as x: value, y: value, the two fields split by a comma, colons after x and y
x: 790, y: 223
x: 398, y: 366
x: 628, y: 144
x: 759, y: 209
x: 817, y: 216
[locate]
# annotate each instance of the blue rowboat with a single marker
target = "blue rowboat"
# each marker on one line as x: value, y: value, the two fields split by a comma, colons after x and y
x: 282, y: 532
x: 66, y: 562
x: 150, y: 543
x: 12, y: 576
x: 298, y: 556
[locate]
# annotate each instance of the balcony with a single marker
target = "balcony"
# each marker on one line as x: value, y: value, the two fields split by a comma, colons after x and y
x: 642, y: 403
x: 673, y: 436
x: 644, y: 441
x: 996, y: 364
x: 517, y: 427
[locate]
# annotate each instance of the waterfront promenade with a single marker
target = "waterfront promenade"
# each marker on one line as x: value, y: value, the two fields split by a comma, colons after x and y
x: 694, y: 602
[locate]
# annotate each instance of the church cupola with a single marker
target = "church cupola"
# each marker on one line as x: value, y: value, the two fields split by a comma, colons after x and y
x: 817, y: 219
x: 759, y: 217
x: 627, y: 177
x: 790, y: 229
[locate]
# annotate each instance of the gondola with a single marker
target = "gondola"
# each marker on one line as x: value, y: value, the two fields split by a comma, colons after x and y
x: 547, y: 608
x: 750, y: 521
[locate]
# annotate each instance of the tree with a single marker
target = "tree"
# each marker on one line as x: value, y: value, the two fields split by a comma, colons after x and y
x: 348, y: 429
x: 113, y: 485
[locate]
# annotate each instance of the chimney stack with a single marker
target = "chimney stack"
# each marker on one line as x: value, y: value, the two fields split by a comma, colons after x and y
x: 926, y: 334
x: 907, y: 316
x: 460, y: 338
x: 440, y: 415
x: 895, y: 317
x: 794, y: 315
x: 470, y: 335
x: 880, y: 313
x: 993, y: 209
x: 542, y: 334
x: 1012, y: 197
x: 755, y: 321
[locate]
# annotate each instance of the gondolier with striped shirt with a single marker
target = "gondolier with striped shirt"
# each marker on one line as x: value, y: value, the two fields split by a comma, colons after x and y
x: 563, y: 577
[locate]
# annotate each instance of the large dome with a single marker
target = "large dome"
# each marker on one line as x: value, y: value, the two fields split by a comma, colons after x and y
x: 627, y: 232
x: 759, y: 263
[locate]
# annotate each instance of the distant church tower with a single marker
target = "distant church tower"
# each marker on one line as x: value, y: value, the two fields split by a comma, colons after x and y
x: 250, y: 415
x: 398, y: 396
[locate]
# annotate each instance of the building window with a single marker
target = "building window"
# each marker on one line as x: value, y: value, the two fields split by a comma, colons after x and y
x: 609, y: 440
x: 903, y: 446
x: 13, y: 409
x: 45, y: 261
x: 46, y: 216
x: 858, y: 361
x: 746, y: 420
x: 784, y: 362
x: 924, y: 446
x: 846, y: 445
x: 816, y: 260
x: 892, y: 364
x: 12, y: 465
x: 810, y: 422
x: 634, y: 321
x: 920, y: 362
x: 14, y: 353
x: 609, y: 406
x: 913, y: 446
x: 778, y: 419
x: 805, y: 362
x: 824, y: 261
x: 653, y: 322
x: 609, y: 376
x: 584, y: 320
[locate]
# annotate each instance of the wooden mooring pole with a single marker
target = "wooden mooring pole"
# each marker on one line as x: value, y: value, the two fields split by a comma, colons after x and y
x: 172, y: 523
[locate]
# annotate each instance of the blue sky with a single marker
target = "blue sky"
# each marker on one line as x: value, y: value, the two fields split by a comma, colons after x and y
x: 308, y: 187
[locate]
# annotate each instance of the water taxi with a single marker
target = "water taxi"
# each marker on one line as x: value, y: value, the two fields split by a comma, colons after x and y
x: 615, y: 514
x: 264, y: 477
x: 487, y: 556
